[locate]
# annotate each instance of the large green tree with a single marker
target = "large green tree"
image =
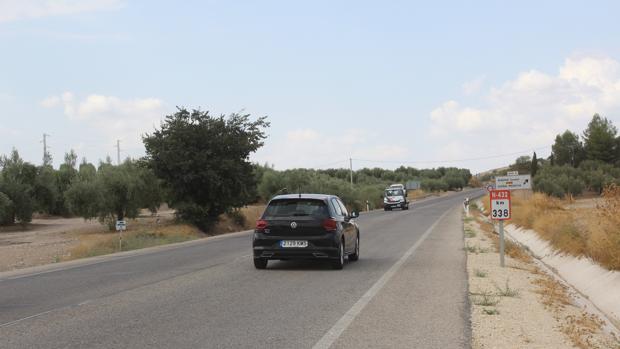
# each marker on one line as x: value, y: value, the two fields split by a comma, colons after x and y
x: 534, y: 167
x: 567, y: 149
x: 600, y: 139
x: 204, y: 160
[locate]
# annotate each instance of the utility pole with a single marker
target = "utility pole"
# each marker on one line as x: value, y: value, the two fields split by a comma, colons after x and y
x: 46, y: 156
x: 118, y: 151
x: 351, y: 170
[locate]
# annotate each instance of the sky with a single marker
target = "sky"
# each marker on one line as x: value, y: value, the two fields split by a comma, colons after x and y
x: 471, y: 84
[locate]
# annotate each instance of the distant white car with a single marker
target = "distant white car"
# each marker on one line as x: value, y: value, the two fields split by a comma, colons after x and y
x: 395, y: 197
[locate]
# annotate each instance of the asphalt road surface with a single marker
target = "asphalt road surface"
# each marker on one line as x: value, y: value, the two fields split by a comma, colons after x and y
x: 408, y: 290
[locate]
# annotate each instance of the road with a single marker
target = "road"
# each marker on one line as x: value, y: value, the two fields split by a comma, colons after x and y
x: 409, y: 290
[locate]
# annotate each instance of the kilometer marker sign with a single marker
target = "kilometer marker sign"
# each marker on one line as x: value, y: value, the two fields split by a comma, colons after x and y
x: 500, y: 211
x: 500, y: 205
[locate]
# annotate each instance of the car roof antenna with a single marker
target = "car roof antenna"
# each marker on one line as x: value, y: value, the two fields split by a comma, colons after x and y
x: 299, y: 191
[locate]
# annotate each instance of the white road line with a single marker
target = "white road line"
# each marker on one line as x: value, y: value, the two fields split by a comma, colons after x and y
x: 7, y: 324
x: 26, y: 318
x: 341, y: 325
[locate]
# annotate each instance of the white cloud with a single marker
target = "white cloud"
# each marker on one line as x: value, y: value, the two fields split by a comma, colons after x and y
x: 51, y: 102
x: 14, y: 10
x: 474, y: 86
x: 528, y: 111
x: 302, y: 135
x: 116, y: 118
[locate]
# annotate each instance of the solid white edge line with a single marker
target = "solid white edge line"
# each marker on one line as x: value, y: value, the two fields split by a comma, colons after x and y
x: 341, y: 325
x: 26, y: 318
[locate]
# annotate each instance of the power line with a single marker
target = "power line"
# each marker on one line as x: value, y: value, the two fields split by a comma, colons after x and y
x: 331, y: 163
x: 453, y: 160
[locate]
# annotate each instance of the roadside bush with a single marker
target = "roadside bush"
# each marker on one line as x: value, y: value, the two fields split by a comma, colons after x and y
x: 237, y: 217
x: 548, y: 186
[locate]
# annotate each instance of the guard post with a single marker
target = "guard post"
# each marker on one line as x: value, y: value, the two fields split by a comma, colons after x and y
x: 120, y: 227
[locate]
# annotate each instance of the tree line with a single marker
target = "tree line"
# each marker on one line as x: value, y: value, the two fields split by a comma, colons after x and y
x: 368, y: 183
x: 577, y: 163
x: 106, y: 192
x: 196, y: 163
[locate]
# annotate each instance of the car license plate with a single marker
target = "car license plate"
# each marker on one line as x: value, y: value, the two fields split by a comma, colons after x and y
x: 294, y: 243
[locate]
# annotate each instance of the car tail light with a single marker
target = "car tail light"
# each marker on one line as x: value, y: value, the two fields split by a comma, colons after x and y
x: 261, y: 224
x: 330, y: 225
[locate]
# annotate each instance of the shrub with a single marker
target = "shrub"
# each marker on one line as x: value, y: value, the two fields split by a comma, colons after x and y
x: 548, y: 186
x: 6, y: 210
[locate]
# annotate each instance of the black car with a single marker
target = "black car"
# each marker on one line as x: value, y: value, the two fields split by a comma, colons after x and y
x: 306, y: 226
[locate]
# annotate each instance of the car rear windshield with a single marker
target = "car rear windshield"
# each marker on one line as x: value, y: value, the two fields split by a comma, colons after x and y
x: 296, y: 207
x: 394, y: 192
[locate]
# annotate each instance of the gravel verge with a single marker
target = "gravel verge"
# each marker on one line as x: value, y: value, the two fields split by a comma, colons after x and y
x: 521, y: 305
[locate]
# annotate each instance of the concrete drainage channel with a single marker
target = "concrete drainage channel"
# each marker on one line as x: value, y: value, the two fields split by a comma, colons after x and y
x: 596, y: 289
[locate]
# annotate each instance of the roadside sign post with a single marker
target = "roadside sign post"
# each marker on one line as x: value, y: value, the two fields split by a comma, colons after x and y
x: 501, y: 244
x: 513, y: 182
x: 120, y: 227
x: 501, y: 210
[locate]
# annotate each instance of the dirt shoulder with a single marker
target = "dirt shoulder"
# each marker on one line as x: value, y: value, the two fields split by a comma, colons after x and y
x: 52, y: 240
x: 521, y: 305
x: 42, y: 241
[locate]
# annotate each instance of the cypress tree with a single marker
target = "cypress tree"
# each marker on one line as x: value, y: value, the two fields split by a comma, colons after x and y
x: 534, y: 167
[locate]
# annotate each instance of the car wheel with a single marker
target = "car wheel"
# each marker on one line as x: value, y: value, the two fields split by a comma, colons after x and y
x: 339, y: 263
x: 260, y: 263
x: 356, y: 255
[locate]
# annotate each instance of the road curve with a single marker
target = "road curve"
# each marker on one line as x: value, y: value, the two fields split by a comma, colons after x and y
x: 409, y: 289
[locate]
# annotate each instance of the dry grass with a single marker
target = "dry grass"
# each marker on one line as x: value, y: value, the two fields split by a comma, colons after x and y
x: 553, y: 294
x: 99, y: 244
x: 581, y: 329
x: 244, y: 219
x: 146, y: 233
x: 417, y: 194
x: 485, y: 299
x: 512, y: 249
x: 604, y: 241
x: 591, y: 232
x: 507, y: 291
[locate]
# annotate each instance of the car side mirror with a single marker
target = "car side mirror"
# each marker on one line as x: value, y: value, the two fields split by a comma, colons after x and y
x: 355, y: 214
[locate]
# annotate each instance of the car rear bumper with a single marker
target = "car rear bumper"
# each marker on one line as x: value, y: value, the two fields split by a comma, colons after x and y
x: 319, y: 247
